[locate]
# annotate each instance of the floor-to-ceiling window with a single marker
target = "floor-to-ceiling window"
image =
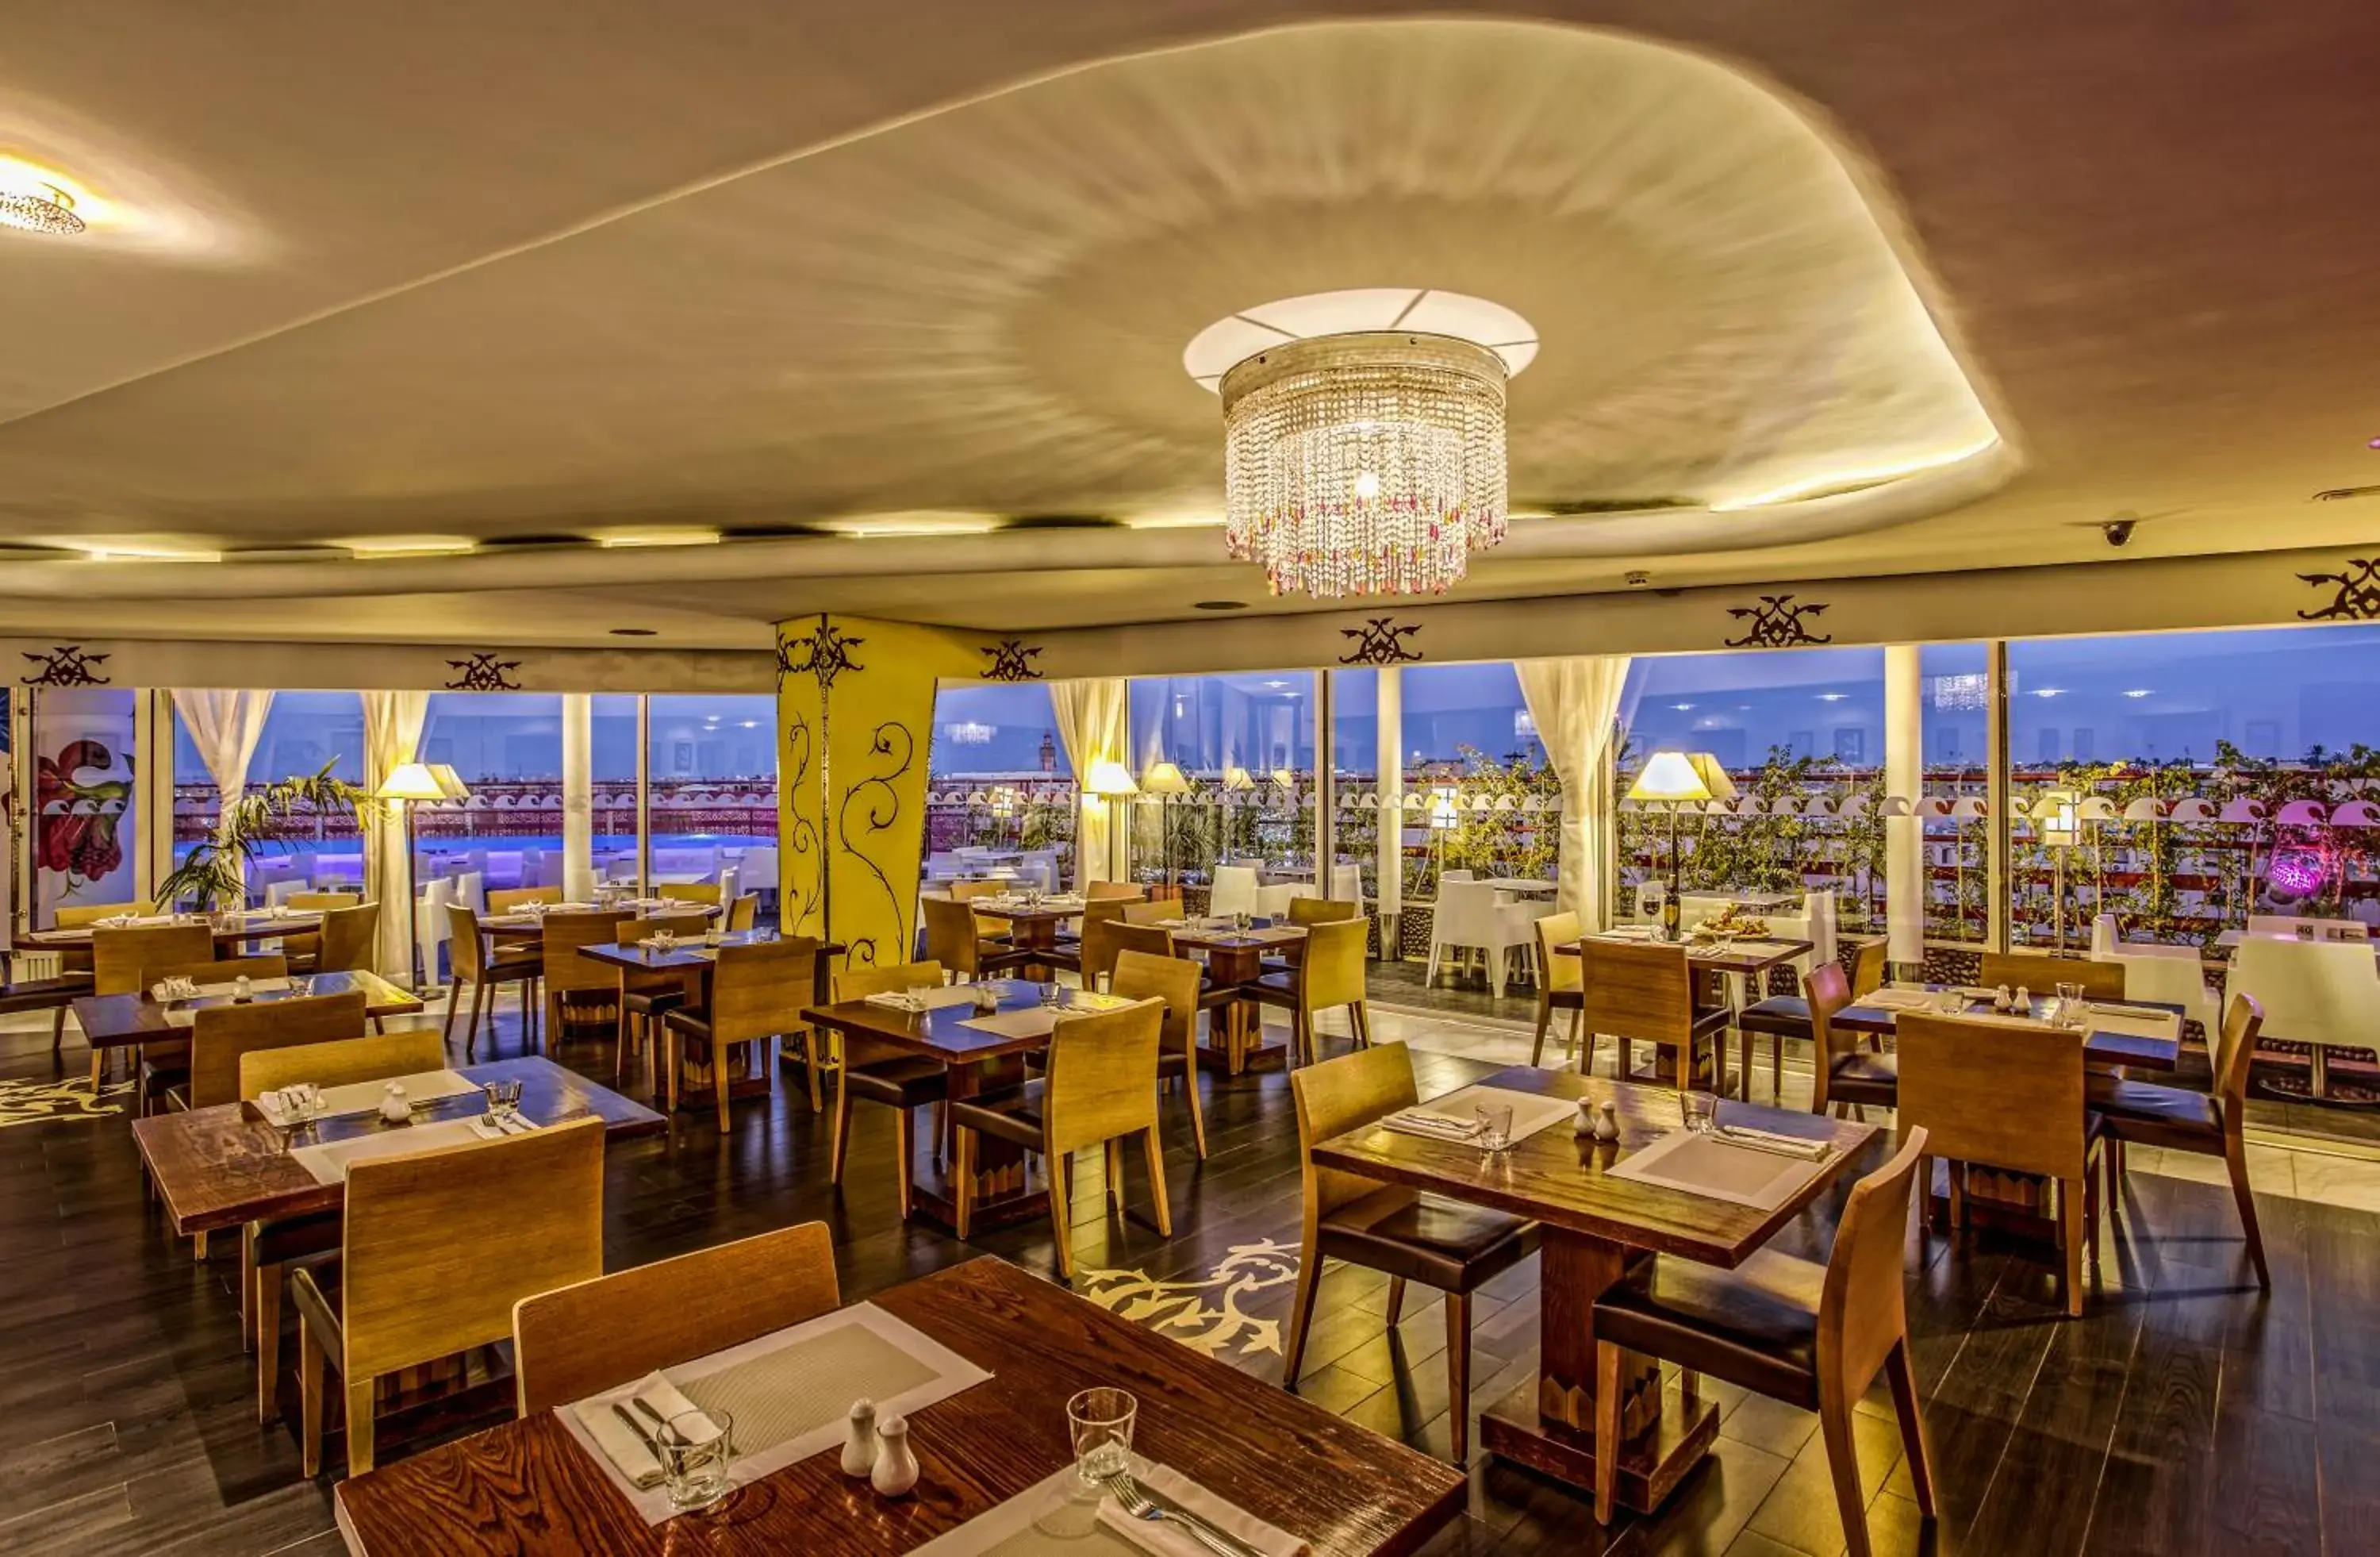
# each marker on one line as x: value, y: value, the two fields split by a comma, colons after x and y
x: 304, y: 733
x: 712, y: 764
x: 1479, y: 795
x: 506, y: 748
x: 1000, y: 792
x: 1954, y: 726
x: 1246, y: 744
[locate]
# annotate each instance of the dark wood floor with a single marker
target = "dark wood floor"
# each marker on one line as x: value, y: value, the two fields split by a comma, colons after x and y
x: 2183, y: 1414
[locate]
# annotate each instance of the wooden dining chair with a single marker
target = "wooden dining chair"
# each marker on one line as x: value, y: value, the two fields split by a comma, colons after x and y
x: 504, y: 900
x: 1099, y: 1086
x: 302, y: 947
x: 1104, y: 932
x: 566, y: 973
x: 345, y: 944
x: 756, y: 994
x: 1329, y: 976
x: 1871, y: 964
x: 1843, y: 1073
x: 1304, y: 913
x: 164, y: 1066
x: 475, y: 958
x: 222, y: 1036
x: 743, y: 913
x: 1639, y: 989
x: 2177, y: 1119
x: 645, y: 998
x: 1174, y: 980
x: 688, y: 891
x: 871, y: 1073
x: 1406, y: 1234
x: 986, y: 927
x: 954, y: 940
x: 1813, y: 1336
x: 2100, y: 981
x: 121, y: 959
x: 437, y: 1247
x: 1117, y: 892
x: 1562, y: 986
x: 343, y: 1061
x: 580, y: 1341
x: 1143, y: 912
x: 2006, y: 1097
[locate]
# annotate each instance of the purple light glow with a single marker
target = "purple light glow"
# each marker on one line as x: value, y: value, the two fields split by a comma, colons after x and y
x: 2298, y: 873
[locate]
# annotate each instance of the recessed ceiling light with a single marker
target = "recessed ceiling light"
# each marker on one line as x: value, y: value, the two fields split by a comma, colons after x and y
x: 1218, y: 605
x: 2049, y: 691
x: 632, y: 632
x: 2138, y: 691
x: 1276, y: 684
x: 656, y: 535
x: 408, y: 545
x: 1682, y: 707
x: 747, y: 723
x: 41, y: 207
x: 1832, y: 697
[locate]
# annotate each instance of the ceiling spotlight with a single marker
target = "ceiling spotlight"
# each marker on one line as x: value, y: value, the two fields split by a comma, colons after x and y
x: 2049, y: 691
x: 43, y: 208
x: 2138, y: 691
x: 1682, y: 707
x: 1832, y: 697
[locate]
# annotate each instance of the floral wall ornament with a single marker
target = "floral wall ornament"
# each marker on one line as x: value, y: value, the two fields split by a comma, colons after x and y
x: 484, y: 673
x: 1380, y: 642
x: 1776, y: 623
x: 67, y: 664
x: 1011, y: 661
x: 2357, y: 597
x: 825, y: 653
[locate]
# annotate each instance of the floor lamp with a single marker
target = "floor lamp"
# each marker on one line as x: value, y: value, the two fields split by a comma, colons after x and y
x: 2055, y: 825
x: 1165, y: 781
x: 1112, y: 782
x: 1677, y: 779
x: 409, y: 784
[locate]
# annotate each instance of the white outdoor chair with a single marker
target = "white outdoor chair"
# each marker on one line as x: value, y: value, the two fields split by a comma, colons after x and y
x: 2170, y: 975
x: 1468, y: 917
x: 756, y: 872
x: 471, y: 891
x: 2325, y: 993
x: 1235, y: 891
x: 1347, y: 883
x: 431, y: 925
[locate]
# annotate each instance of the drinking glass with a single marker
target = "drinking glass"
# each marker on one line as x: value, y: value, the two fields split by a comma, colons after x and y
x: 1699, y: 1110
x: 1239, y: 921
x: 1101, y: 1422
x: 1950, y: 1002
x: 504, y: 1097
x: 696, y: 1449
x: 1495, y: 1125
x: 1053, y: 994
x: 2070, y: 1005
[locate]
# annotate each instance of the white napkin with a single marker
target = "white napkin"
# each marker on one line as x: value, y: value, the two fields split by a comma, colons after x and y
x: 624, y: 1448
x: 1414, y: 1122
x: 1164, y: 1539
x: 1896, y: 1000
x: 1768, y: 1140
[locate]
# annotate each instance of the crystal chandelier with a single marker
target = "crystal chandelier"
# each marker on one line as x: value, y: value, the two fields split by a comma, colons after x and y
x: 1364, y: 464
x: 43, y: 209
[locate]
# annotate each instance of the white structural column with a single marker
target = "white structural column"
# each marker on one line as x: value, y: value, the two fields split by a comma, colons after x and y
x: 578, y: 796
x: 1904, y: 774
x: 1389, y: 742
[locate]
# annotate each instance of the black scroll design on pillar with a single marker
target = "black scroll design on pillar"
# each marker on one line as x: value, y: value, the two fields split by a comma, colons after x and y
x: 805, y: 861
x: 824, y: 653
x: 895, y: 748
x: 66, y: 665
x: 1776, y: 623
x: 2358, y: 592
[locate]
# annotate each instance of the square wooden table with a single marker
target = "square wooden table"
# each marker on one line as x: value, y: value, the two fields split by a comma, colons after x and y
x: 230, y: 930
x: 120, y: 1021
x: 223, y: 1166
x: 526, y: 1489
x: 1031, y: 927
x: 978, y: 1063
x: 2101, y: 1049
x: 1594, y: 1227
x: 1234, y: 960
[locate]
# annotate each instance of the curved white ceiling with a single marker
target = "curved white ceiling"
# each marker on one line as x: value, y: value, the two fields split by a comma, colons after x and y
x: 981, y: 313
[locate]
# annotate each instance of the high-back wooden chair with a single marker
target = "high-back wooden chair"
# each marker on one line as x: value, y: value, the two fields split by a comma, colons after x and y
x: 75, y: 916
x: 756, y: 995
x: 322, y: 902
x: 345, y: 944
x: 873, y: 1074
x: 437, y: 1247
x: 165, y: 1064
x: 2100, y: 981
x: 304, y: 947
x: 1102, y: 938
x: 1144, y: 913
x: 1174, y: 980
x: 475, y: 958
x: 1560, y: 987
x: 2177, y: 1119
x: 1642, y: 990
x: 745, y: 912
x: 2008, y: 1097
x: 688, y: 891
x: 955, y: 938
x: 1869, y: 966
x: 1148, y: 940
x: 1844, y: 1074
x: 1403, y: 1234
x: 220, y: 1036
x: 1330, y: 974
x: 1116, y: 891
x: 1825, y: 1334
x: 579, y: 1341
x: 1100, y: 1086
x: 120, y: 960
x: 1322, y: 910
x: 559, y: 938
x: 504, y: 900
x: 343, y: 1061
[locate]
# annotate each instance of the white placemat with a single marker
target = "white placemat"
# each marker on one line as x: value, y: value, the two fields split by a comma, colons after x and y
x: 329, y: 1163
x: 1059, y: 1516
x: 923, y: 1000
x: 789, y: 1407
x: 1896, y: 999
x: 1709, y: 1167
x: 255, y: 986
x: 362, y: 1097
x: 1532, y: 1112
x: 1032, y: 1021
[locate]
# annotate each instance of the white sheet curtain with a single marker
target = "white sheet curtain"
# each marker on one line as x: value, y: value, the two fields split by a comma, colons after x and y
x: 1575, y: 703
x: 1095, y: 724
x: 393, y: 724
x: 225, y: 726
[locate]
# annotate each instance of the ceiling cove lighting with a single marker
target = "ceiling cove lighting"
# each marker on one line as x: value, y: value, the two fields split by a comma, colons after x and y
x: 367, y: 547
x: 39, y: 208
x: 660, y: 535
x: 1834, y: 481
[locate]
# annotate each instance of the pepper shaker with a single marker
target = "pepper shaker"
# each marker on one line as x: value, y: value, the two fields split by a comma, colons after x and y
x: 1607, y: 1121
x: 896, y: 1465
x: 860, y: 1440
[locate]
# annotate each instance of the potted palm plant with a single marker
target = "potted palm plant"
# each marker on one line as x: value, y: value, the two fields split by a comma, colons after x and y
x: 215, y: 874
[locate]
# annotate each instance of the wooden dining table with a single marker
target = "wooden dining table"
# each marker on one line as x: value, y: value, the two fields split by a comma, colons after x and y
x: 528, y: 1488
x: 1032, y: 926
x: 2103, y: 1048
x: 1734, y: 967
x: 692, y: 959
x: 978, y: 1062
x: 227, y: 1166
x: 123, y: 1020
x: 1595, y: 1225
x: 1235, y: 959
x: 230, y: 930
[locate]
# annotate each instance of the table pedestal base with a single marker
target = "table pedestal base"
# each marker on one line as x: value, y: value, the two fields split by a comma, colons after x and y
x: 1651, y: 1463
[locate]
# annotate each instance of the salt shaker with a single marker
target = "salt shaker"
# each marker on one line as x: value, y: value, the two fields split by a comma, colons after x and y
x: 1607, y: 1121
x: 241, y: 989
x: 1586, y: 1126
x: 393, y: 1107
x: 2000, y: 1001
x: 897, y: 1467
x: 860, y: 1440
x: 2023, y: 1003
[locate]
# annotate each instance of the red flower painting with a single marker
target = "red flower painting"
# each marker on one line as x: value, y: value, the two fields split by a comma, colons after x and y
x: 78, y: 834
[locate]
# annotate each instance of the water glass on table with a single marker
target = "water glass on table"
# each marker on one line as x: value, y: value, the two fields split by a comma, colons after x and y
x: 1699, y: 1111
x: 1100, y: 1420
x: 697, y: 1448
x: 2071, y: 1005
x: 503, y: 1099
x: 1495, y: 1125
x: 1053, y: 994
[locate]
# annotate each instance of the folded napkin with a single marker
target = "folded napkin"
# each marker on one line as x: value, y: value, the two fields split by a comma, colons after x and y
x: 488, y: 1130
x: 1769, y: 1141
x: 1437, y: 1127
x: 1896, y: 1000
x: 1165, y: 1485
x: 623, y: 1446
x: 902, y: 1000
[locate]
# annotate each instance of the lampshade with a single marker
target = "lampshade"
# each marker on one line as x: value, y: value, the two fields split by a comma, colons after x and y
x: 449, y: 781
x: 411, y: 781
x: 1163, y: 778
x: 1285, y: 778
x: 1713, y: 775
x: 1109, y: 778
x: 1236, y: 777
x: 2097, y: 808
x: 1671, y: 776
